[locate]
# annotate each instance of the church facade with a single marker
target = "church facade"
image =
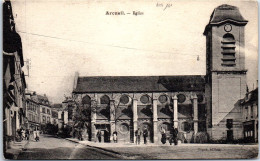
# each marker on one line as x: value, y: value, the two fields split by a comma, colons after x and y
x: 195, y: 104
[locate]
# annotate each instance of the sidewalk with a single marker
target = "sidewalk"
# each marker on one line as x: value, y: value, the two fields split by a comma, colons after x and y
x: 15, y: 149
x: 107, y: 145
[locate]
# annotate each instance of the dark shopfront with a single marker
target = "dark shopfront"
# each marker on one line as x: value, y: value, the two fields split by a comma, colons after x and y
x: 250, y: 132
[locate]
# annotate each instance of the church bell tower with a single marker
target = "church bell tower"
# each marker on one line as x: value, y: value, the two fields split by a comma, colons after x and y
x: 225, y: 72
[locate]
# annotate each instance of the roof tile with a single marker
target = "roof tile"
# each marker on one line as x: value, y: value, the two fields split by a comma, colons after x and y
x: 139, y: 84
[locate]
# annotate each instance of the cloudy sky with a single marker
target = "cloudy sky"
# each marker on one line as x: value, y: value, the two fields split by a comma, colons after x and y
x: 61, y: 37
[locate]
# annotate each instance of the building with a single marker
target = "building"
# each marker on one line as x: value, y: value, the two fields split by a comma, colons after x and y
x: 64, y: 112
x: 225, y: 72
x: 196, y: 105
x: 39, y: 112
x: 45, y: 109
x: 54, y: 117
x: 68, y: 110
x: 60, y: 111
x: 124, y: 103
x: 32, y: 112
x: 14, y: 83
x: 250, y: 116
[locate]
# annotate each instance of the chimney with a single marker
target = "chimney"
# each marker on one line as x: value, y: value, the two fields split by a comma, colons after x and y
x: 75, y: 80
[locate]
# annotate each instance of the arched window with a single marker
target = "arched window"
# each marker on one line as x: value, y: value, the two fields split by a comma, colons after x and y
x: 228, y: 50
x: 86, y: 100
x: 104, y: 99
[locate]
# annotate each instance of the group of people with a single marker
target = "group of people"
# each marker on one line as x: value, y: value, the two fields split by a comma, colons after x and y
x: 173, y: 136
x: 138, y: 134
x: 172, y: 139
x: 106, y: 136
x: 25, y: 134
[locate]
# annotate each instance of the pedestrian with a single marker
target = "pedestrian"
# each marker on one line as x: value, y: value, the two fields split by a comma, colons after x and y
x: 19, y: 135
x: 163, y: 139
x: 27, y: 134
x: 138, y: 135
x: 145, y: 135
x: 23, y: 133
x: 80, y: 135
x: 99, y: 135
x: 115, y: 137
x: 36, y: 134
x: 175, y: 136
x: 74, y: 133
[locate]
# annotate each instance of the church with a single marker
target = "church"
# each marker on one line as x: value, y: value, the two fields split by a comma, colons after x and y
x: 195, y: 104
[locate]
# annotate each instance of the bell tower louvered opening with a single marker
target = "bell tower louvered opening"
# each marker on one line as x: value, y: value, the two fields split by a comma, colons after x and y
x: 228, y: 50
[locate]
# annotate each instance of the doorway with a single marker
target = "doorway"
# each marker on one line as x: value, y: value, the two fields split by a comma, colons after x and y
x: 229, y: 135
x: 150, y: 132
x: 105, y: 132
x: 14, y: 124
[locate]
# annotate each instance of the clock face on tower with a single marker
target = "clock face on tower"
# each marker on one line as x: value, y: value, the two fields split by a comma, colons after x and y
x: 228, y: 28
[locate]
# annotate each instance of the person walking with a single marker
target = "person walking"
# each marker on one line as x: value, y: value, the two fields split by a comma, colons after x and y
x: 145, y: 135
x: 99, y: 135
x: 115, y: 137
x: 138, y: 135
x: 36, y: 134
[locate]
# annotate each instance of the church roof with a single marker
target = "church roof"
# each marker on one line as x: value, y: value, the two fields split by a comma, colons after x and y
x: 105, y: 84
x: 225, y: 13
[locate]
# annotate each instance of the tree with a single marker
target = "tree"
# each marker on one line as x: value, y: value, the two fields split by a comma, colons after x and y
x: 81, y: 119
x: 51, y: 129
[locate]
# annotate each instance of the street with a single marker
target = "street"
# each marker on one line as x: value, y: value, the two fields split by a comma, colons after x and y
x: 202, y: 151
x: 54, y: 148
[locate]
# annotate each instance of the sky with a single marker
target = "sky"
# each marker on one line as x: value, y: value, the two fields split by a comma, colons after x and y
x: 61, y: 37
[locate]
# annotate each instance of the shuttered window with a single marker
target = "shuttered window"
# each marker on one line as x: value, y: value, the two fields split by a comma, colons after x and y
x: 228, y: 50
